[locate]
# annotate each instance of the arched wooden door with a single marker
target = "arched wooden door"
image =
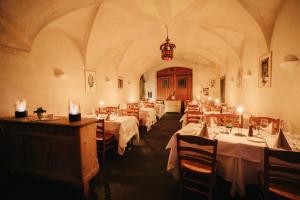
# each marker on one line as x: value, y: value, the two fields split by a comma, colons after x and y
x: 175, y: 81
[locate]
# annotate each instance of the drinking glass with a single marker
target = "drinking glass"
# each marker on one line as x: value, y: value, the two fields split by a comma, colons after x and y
x: 213, y: 123
x: 264, y: 123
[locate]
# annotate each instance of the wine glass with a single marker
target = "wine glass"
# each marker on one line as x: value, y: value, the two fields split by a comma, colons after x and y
x: 213, y: 123
x: 264, y: 123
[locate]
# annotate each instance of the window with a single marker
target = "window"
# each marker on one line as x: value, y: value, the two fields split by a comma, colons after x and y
x: 165, y: 83
x: 182, y: 82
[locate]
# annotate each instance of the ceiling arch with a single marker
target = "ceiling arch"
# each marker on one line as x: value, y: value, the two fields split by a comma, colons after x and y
x: 130, y: 31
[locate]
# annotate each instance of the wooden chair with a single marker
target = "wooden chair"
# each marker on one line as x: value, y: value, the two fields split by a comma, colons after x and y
x: 148, y: 105
x: 132, y: 105
x: 197, y: 164
x: 193, y: 108
x: 224, y: 119
x: 194, y: 117
x: 255, y: 121
x: 110, y: 109
x: 281, y: 177
x: 105, y: 141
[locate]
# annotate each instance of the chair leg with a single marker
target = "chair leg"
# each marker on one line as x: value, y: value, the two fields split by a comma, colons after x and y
x: 103, y: 153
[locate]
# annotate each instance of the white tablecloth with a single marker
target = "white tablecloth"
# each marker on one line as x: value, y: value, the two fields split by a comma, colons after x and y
x: 239, y: 159
x: 148, y: 116
x: 123, y: 127
x: 160, y: 109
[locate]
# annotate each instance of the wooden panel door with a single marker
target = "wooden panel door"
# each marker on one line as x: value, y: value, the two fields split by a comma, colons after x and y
x: 174, y: 80
x: 165, y: 86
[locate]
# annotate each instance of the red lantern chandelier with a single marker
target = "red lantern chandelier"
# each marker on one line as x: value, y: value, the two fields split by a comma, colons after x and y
x: 167, y: 49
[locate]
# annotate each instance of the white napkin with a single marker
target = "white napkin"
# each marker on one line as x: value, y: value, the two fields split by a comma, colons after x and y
x: 281, y: 141
x: 204, y: 131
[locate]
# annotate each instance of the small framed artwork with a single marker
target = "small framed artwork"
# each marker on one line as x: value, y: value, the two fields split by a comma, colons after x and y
x: 165, y: 83
x: 265, y: 70
x: 90, y: 82
x: 182, y: 82
x: 206, y: 91
x: 120, y: 83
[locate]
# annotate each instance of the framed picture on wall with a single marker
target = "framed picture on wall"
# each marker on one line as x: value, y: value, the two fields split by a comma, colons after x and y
x: 90, y: 82
x: 265, y: 70
x: 206, y: 91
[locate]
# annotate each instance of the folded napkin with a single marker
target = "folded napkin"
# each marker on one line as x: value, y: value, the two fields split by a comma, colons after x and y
x: 204, y: 131
x: 281, y: 141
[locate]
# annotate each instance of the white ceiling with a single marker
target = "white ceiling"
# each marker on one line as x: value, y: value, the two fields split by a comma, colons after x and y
x: 206, y: 32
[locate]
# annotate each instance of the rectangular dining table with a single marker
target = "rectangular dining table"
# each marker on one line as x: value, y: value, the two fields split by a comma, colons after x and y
x: 123, y: 127
x: 239, y: 157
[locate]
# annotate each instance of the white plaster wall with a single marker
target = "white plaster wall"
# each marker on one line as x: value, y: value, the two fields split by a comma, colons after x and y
x: 29, y: 75
x: 281, y: 100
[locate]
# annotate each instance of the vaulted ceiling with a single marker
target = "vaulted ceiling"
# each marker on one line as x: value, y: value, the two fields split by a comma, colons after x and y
x: 129, y: 32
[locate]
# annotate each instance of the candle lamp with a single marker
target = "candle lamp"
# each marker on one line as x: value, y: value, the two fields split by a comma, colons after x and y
x: 74, y: 110
x: 20, y: 110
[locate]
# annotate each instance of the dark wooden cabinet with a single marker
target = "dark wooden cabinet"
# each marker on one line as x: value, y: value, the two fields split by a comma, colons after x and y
x: 59, y: 149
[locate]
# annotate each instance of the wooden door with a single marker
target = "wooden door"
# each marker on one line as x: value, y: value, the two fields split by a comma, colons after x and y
x: 174, y: 80
x: 222, y: 88
x: 63, y: 154
x: 13, y: 151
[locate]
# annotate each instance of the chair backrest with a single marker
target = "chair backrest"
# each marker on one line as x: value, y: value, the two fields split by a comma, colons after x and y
x: 110, y: 109
x: 193, y: 108
x: 148, y: 105
x: 225, y: 119
x: 257, y: 120
x: 100, y: 129
x: 197, y: 149
x: 132, y: 105
x: 133, y: 112
x: 159, y: 101
x: 194, y: 117
x: 281, y: 168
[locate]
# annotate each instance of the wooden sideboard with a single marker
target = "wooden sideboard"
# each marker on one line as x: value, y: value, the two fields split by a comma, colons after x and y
x: 173, y: 106
x: 56, y: 149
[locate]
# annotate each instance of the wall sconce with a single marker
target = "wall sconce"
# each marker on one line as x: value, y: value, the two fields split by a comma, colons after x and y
x: 74, y: 110
x: 289, y: 61
x: 59, y: 73
x: 21, y: 109
x: 248, y: 73
x: 107, y: 79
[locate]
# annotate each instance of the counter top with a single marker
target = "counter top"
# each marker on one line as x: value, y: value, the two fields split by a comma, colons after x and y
x: 56, y: 121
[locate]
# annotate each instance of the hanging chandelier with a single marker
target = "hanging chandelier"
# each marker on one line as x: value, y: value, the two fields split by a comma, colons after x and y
x: 167, y: 48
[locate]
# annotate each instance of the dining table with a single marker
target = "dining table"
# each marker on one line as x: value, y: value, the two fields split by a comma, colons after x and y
x: 148, y: 117
x: 239, y: 156
x: 123, y: 127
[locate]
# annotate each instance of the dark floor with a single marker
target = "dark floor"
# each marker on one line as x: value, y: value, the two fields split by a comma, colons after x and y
x: 139, y: 174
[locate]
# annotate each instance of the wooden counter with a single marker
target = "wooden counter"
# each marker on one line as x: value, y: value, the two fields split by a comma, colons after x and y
x: 56, y: 149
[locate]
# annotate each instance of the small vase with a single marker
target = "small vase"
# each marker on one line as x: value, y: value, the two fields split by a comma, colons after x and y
x: 40, y: 115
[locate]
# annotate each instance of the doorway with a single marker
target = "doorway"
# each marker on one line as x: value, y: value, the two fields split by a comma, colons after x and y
x: 222, y: 88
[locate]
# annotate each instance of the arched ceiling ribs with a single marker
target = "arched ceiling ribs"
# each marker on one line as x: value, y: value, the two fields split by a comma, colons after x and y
x: 265, y: 20
x: 28, y: 18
